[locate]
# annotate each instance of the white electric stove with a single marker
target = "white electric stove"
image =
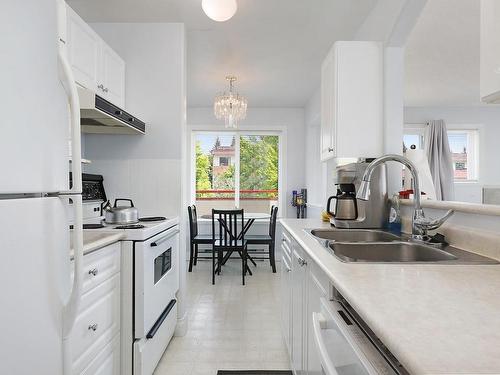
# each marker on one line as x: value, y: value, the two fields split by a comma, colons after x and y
x: 149, y: 280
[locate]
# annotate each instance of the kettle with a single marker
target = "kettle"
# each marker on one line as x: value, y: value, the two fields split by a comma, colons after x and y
x: 346, y: 207
x: 120, y: 214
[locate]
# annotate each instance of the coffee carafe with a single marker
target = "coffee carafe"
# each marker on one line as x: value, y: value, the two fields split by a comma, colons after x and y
x: 345, y: 203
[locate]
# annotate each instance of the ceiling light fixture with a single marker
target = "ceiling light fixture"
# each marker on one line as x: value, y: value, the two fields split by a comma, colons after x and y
x: 219, y: 10
x: 230, y: 106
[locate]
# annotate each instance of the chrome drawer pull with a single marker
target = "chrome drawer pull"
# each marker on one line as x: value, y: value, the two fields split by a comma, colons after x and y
x: 93, y: 272
x: 302, y: 262
x: 93, y: 327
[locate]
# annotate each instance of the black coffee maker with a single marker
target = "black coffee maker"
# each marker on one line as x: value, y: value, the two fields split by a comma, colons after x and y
x: 346, y: 207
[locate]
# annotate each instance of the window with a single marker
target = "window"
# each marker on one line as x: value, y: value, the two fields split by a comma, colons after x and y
x: 463, y: 145
x: 236, y: 170
x: 224, y: 161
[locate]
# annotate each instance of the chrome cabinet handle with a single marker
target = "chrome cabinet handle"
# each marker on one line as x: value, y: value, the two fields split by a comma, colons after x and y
x: 288, y: 269
x: 301, y: 262
x: 101, y: 86
x: 93, y: 272
x: 105, y: 89
x: 330, y: 149
x: 93, y: 327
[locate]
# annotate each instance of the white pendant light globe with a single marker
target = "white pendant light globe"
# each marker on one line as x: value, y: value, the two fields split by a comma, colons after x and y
x: 219, y: 10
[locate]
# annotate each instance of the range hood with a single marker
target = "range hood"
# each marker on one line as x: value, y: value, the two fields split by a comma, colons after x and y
x: 98, y: 116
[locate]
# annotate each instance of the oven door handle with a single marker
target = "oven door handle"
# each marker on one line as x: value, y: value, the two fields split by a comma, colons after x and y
x: 161, y: 319
x: 164, y: 238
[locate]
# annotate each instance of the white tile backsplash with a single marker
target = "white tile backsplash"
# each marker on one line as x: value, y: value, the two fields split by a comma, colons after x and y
x: 153, y: 184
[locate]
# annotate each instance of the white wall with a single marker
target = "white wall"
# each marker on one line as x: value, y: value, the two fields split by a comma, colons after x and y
x: 146, y: 168
x: 487, y: 120
x: 291, y: 119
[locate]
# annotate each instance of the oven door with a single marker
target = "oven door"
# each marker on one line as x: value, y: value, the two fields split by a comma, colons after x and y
x: 156, y: 278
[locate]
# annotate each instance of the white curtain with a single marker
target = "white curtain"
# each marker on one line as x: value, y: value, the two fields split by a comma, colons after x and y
x: 440, y: 159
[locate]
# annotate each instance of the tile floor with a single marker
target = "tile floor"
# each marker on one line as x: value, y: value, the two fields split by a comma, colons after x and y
x: 231, y: 326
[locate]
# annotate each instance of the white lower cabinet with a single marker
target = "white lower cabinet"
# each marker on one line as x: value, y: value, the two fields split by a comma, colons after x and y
x: 303, y: 284
x: 95, y: 339
x: 107, y: 361
x: 316, y: 290
x: 286, y: 297
x: 299, y: 274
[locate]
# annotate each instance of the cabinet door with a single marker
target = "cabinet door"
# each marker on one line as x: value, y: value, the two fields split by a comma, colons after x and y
x: 490, y: 50
x: 328, y: 149
x: 315, y: 291
x: 112, y: 76
x: 84, y: 50
x: 286, y: 292
x: 298, y: 302
x: 107, y: 362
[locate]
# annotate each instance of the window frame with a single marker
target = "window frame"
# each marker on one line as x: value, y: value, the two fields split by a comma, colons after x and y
x: 278, y: 131
x: 474, y: 133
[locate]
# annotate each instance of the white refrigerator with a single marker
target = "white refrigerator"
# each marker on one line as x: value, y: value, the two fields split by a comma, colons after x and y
x: 39, y: 120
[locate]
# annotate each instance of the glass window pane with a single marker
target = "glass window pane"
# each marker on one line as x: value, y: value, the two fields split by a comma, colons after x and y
x: 413, y: 139
x: 259, y: 172
x: 458, y: 146
x: 215, y: 165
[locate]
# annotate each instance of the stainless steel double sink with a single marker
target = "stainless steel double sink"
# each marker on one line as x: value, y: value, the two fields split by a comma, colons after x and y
x: 378, y: 246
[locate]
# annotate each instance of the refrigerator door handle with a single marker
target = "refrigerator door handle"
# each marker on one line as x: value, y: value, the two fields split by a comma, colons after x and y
x: 72, y: 305
x: 69, y: 84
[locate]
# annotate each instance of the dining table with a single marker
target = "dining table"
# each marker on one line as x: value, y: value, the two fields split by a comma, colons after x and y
x: 249, y: 218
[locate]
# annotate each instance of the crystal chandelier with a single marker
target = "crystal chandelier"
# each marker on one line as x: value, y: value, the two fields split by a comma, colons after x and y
x: 230, y: 106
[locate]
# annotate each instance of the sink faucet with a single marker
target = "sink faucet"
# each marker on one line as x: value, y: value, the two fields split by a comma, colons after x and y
x: 420, y: 224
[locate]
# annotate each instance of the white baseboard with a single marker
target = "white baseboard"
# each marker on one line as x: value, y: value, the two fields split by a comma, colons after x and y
x: 182, y: 326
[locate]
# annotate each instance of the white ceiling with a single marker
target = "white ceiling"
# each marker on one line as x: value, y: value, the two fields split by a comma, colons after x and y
x: 442, y: 55
x: 275, y: 47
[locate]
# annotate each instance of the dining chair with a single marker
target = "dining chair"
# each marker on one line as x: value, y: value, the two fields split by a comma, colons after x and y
x: 267, y: 239
x: 228, y: 238
x: 195, y: 239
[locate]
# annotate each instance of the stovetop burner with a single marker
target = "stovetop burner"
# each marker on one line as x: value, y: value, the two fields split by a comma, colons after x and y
x: 153, y: 218
x: 92, y: 226
x: 130, y: 226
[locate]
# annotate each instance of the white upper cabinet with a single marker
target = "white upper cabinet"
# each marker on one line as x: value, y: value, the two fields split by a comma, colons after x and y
x: 328, y: 96
x: 352, y: 101
x: 490, y: 51
x: 84, y: 50
x: 112, y: 76
x: 95, y: 65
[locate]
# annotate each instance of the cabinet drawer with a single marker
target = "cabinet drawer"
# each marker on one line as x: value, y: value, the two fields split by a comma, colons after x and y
x: 320, y: 279
x: 100, y: 265
x: 97, y: 323
x: 107, y: 361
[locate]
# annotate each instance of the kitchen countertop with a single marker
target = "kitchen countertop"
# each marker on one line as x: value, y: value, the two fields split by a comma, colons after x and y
x: 95, y: 240
x: 436, y: 319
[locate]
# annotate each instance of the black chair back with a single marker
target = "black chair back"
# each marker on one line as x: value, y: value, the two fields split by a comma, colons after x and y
x: 272, y: 224
x: 229, y: 230
x: 193, y: 221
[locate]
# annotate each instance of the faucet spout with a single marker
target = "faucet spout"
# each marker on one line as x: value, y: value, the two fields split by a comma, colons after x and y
x: 364, y: 190
x: 420, y: 224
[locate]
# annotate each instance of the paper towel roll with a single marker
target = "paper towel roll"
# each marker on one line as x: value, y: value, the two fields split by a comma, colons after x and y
x: 419, y: 158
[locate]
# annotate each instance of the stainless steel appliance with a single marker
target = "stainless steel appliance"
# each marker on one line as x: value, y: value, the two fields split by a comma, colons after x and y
x: 368, y: 214
x: 121, y: 214
x: 346, y: 207
x: 100, y: 116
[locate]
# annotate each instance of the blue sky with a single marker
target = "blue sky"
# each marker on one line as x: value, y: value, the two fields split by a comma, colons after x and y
x: 207, y: 141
